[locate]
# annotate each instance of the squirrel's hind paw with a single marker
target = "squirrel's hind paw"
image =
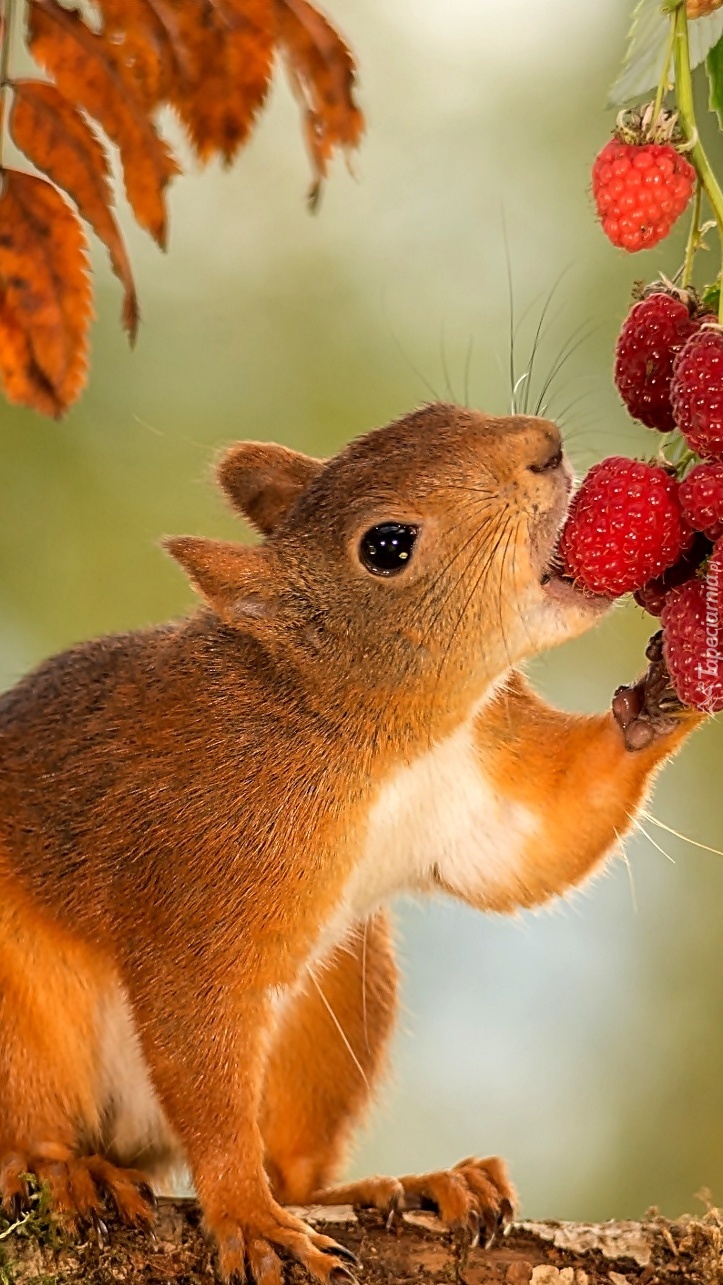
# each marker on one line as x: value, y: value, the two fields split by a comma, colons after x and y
x: 247, y: 1254
x: 79, y: 1187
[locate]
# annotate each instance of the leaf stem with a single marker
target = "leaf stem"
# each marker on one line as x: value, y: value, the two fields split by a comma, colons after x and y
x: 664, y: 81
x: 693, y: 236
x: 686, y: 112
x: 6, y: 35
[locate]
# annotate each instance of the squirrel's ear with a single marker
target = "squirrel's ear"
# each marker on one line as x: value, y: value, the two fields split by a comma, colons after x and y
x: 232, y: 578
x: 262, y: 480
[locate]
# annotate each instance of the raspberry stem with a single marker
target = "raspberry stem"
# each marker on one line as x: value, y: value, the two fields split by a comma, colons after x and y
x: 686, y: 110
x: 693, y: 237
x: 664, y: 82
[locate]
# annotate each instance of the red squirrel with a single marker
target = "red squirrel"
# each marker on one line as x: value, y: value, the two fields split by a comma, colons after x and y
x: 200, y: 824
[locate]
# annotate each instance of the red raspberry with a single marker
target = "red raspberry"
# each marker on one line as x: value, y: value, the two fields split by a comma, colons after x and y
x: 696, y: 391
x: 624, y: 527
x: 653, y: 332
x: 701, y: 499
x: 693, y: 639
x: 652, y: 596
x: 640, y: 189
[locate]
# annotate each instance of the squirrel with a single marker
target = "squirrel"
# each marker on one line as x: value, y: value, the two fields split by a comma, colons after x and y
x: 201, y: 823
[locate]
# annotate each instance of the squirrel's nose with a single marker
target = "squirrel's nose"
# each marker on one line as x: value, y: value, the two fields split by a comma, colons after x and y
x: 546, y: 449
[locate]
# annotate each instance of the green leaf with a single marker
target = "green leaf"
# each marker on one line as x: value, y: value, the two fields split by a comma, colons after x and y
x: 643, y: 63
x: 714, y: 67
x: 711, y: 297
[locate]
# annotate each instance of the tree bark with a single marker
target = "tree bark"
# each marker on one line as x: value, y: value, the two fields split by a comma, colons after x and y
x: 653, y: 1252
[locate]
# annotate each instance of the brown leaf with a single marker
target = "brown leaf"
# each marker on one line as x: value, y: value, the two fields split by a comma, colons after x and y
x: 22, y: 379
x: 148, y: 44
x: 322, y: 72
x: 46, y: 294
x: 229, y: 46
x: 89, y: 71
x: 57, y: 139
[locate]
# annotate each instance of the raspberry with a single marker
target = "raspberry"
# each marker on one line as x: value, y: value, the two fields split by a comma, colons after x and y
x: 693, y: 639
x: 653, y: 332
x: 652, y: 596
x: 640, y: 189
x: 696, y: 391
x: 624, y: 527
x: 701, y: 499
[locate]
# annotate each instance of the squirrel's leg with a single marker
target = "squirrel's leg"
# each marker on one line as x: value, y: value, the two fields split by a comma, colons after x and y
x: 329, y: 1051
x: 206, y: 1059
x: 50, y: 1113
x: 572, y: 784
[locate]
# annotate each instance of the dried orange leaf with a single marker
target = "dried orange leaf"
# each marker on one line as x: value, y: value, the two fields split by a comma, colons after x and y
x: 89, y: 71
x: 45, y: 283
x: 322, y: 72
x: 59, y: 141
x: 22, y: 379
x: 147, y: 43
x: 229, y: 46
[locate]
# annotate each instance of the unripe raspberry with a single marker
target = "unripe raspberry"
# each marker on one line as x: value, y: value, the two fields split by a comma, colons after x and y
x: 696, y: 391
x: 701, y: 8
x: 640, y: 189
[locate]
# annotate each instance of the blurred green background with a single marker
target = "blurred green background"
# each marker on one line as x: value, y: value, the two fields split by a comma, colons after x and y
x: 583, y: 1043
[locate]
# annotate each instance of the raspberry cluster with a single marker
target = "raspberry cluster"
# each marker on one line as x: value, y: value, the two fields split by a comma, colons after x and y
x: 656, y: 529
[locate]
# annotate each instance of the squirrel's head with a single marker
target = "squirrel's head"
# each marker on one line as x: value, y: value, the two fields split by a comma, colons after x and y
x: 420, y: 555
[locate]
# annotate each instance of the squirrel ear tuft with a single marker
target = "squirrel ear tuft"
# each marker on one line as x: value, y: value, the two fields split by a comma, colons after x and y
x: 230, y: 577
x: 262, y: 481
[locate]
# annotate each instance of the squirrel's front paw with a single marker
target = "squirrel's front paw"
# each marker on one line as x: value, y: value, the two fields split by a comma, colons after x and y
x: 650, y: 708
x: 247, y: 1252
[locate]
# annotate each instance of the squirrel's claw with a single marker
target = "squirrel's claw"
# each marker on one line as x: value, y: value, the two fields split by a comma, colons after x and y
x: 650, y: 708
x: 341, y: 1251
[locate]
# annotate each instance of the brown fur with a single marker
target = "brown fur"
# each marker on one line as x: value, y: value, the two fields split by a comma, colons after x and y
x: 182, y: 810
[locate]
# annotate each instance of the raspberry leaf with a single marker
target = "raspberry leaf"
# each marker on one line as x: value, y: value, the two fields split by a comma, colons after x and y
x: 714, y: 67
x: 647, y: 39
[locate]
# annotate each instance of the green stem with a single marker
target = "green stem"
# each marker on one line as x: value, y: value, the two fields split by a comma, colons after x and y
x: 664, y: 81
x: 686, y: 111
x: 6, y: 34
x: 693, y: 237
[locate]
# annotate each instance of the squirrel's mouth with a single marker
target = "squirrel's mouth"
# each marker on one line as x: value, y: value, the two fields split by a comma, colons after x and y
x: 563, y: 589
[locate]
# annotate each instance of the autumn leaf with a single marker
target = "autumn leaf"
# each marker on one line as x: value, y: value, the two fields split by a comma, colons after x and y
x: 148, y: 43
x: 89, y: 72
x: 211, y: 61
x: 58, y: 140
x: 230, y: 49
x: 45, y: 295
x: 322, y: 73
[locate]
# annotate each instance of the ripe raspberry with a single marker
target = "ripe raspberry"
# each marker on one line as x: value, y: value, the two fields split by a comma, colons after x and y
x: 652, y: 596
x: 693, y: 640
x: 640, y: 189
x: 624, y: 528
x: 653, y: 332
x: 701, y: 499
x: 696, y: 391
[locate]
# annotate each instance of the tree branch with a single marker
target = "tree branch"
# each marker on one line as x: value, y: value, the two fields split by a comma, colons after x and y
x: 653, y: 1252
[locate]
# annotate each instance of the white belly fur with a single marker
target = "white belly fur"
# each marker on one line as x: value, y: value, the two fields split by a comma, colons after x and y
x: 436, y: 819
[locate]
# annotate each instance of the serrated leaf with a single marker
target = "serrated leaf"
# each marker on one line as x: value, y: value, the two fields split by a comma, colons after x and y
x: 90, y: 73
x: 59, y: 141
x: 714, y: 67
x: 322, y: 72
x: 649, y: 33
x: 45, y: 295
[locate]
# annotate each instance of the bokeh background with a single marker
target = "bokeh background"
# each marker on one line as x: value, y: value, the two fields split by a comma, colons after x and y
x: 584, y: 1043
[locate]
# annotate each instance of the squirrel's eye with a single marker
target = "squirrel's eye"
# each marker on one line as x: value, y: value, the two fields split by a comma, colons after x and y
x: 387, y: 548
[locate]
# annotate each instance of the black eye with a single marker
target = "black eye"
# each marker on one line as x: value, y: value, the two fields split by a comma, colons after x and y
x: 387, y: 548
